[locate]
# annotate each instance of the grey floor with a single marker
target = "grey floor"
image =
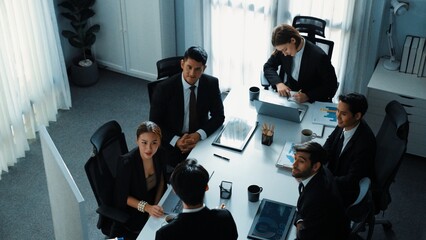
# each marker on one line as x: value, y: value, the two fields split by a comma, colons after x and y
x: 24, y: 202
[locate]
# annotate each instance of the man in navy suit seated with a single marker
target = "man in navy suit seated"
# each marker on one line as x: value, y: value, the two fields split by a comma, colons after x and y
x: 190, y: 182
x: 171, y: 106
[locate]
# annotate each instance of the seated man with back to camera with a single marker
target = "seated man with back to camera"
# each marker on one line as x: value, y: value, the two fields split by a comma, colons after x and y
x: 351, y: 147
x: 320, y: 212
x: 190, y: 182
x: 304, y: 67
x: 170, y: 106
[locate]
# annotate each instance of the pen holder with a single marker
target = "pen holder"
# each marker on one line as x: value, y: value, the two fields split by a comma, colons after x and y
x: 225, y: 189
x: 267, y: 138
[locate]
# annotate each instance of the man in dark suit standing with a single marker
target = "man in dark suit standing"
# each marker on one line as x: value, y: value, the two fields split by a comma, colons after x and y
x: 351, y: 147
x: 320, y: 213
x: 304, y: 67
x: 190, y: 182
x: 183, y: 126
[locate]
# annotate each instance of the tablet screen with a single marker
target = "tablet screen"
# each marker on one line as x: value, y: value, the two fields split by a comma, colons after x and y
x: 235, y: 134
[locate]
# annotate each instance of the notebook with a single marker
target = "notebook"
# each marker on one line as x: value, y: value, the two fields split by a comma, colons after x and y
x: 172, y: 204
x: 290, y: 111
x: 273, y: 220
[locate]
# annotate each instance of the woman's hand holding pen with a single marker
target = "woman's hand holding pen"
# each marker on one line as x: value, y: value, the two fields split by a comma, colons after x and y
x: 300, y: 97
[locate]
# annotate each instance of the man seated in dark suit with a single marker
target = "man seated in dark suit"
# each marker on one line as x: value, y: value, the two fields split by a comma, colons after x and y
x: 182, y: 125
x: 189, y: 180
x: 351, y: 147
x: 320, y: 213
x: 304, y: 67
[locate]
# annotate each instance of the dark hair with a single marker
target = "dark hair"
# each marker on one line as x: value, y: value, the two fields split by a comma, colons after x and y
x: 356, y: 102
x: 283, y: 33
x: 148, y: 126
x: 197, y: 53
x: 189, y: 181
x: 316, y: 151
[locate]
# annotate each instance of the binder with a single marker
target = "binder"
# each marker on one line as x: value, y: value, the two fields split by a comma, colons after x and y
x: 419, y: 55
x: 412, y: 55
x: 405, y: 53
x: 422, y: 68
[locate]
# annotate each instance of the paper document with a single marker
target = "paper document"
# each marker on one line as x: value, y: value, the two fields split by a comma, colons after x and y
x: 324, y: 113
x: 286, y: 158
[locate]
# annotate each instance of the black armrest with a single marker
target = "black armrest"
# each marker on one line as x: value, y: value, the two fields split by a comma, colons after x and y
x: 113, y: 213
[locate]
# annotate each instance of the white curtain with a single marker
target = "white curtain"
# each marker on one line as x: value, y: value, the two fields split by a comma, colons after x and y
x: 241, y: 29
x: 33, y: 79
x: 239, y: 39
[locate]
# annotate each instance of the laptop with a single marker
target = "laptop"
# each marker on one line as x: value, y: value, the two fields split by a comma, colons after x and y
x: 289, y: 111
x: 172, y: 205
x: 273, y: 220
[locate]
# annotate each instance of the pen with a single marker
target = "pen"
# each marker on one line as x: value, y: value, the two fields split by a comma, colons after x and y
x: 217, y: 155
x: 211, y: 176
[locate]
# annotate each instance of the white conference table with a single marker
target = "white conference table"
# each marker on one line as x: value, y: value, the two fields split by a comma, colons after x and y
x: 254, y: 165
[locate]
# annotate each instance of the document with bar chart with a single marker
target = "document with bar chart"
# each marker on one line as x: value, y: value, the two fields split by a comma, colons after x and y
x: 324, y: 113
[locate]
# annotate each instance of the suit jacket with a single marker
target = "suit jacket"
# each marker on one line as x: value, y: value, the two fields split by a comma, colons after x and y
x: 167, y: 109
x: 206, y: 224
x: 355, y: 162
x: 320, y: 208
x: 317, y: 77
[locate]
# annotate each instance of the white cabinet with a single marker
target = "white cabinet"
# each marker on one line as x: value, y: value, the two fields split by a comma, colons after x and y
x: 134, y: 35
x: 410, y: 91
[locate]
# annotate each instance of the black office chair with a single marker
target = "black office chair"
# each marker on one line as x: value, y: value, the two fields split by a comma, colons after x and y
x: 391, y: 147
x: 361, y: 212
x: 313, y: 27
x: 168, y: 67
x: 109, y: 144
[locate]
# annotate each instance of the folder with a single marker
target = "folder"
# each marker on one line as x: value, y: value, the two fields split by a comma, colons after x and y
x: 419, y: 55
x: 413, y: 54
x: 422, y: 67
x: 405, y: 53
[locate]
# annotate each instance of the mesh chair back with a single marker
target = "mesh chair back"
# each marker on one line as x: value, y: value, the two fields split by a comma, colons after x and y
x: 310, y: 25
x: 391, y: 146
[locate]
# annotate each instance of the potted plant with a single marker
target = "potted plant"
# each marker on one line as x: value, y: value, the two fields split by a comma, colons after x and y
x: 84, y: 71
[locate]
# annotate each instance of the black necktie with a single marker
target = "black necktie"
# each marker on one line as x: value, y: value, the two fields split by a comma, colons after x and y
x: 193, y: 122
x: 301, y: 188
x: 340, y: 145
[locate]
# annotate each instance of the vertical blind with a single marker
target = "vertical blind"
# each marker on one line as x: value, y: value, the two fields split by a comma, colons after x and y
x: 33, y: 79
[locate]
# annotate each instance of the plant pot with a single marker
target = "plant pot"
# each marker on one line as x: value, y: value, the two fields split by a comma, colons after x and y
x: 84, y: 76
